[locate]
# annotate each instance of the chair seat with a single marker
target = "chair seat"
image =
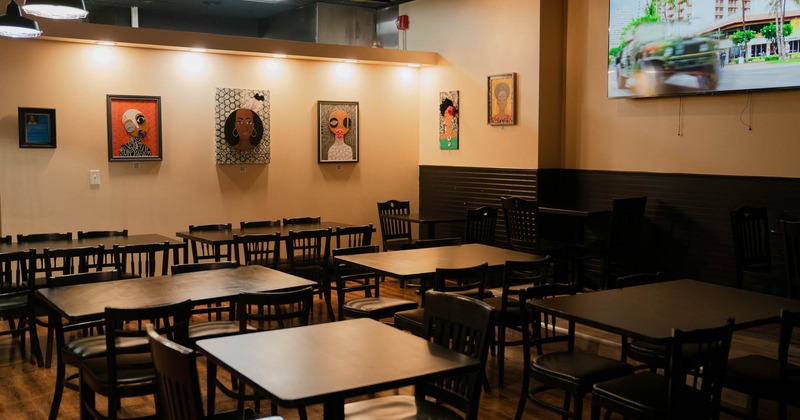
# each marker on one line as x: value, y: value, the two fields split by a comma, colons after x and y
x: 212, y: 329
x: 579, y: 369
x: 377, y: 307
x: 94, y: 346
x: 410, y: 320
x: 132, y: 381
x: 397, y: 407
x: 19, y: 302
x: 758, y: 375
x: 647, y: 392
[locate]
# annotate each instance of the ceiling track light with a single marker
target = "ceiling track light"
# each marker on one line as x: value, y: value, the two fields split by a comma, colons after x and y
x: 13, y: 25
x: 56, y: 9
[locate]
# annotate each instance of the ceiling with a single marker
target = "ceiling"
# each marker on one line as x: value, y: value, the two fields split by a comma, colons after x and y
x: 237, y: 9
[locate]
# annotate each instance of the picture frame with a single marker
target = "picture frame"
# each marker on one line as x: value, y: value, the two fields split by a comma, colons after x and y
x: 502, y: 98
x: 134, y: 128
x: 37, y: 128
x: 337, y: 135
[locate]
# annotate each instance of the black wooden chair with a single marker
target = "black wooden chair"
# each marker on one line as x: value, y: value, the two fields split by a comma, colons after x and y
x: 92, y: 234
x: 260, y: 312
x: 353, y: 236
x: 480, y: 226
x: 648, y: 395
x: 352, y: 279
x: 42, y: 237
x: 17, y: 299
x: 517, y: 277
x: 461, y: 324
x: 86, y: 345
x: 127, y: 371
x: 202, y: 252
x: 752, y: 251
x: 306, y: 220
x: 395, y: 234
x: 467, y: 281
x: 764, y: 377
x: 652, y: 356
x: 260, y: 224
x: 308, y: 252
x: 179, y: 395
x: 218, y: 327
x: 436, y: 242
x: 258, y: 249
x: 791, y: 244
x: 142, y: 260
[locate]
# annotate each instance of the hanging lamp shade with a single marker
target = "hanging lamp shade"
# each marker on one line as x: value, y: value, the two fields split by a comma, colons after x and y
x: 13, y: 25
x: 56, y: 9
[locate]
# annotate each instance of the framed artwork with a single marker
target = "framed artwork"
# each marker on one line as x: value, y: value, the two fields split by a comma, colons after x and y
x: 134, y: 128
x: 338, y: 132
x: 242, y: 126
x: 448, y: 120
x: 502, y: 99
x: 37, y: 128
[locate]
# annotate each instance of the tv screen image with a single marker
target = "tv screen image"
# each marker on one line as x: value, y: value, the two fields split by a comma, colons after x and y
x: 680, y: 47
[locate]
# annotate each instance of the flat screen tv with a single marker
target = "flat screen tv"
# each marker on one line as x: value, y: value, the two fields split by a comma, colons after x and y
x: 680, y: 47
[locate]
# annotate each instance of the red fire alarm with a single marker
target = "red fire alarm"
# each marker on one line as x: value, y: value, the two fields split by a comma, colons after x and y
x: 402, y: 22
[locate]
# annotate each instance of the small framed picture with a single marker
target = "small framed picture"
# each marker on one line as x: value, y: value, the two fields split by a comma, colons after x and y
x: 338, y: 132
x: 502, y: 99
x: 134, y: 128
x: 37, y: 127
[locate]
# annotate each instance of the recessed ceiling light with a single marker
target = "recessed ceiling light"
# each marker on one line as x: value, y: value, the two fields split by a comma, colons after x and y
x: 106, y: 43
x: 199, y: 50
x: 351, y: 61
x: 414, y: 65
x: 279, y: 55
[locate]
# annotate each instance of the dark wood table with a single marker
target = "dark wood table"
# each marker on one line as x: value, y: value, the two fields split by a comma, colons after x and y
x: 427, y: 221
x: 416, y: 263
x: 87, y: 302
x: 146, y: 238
x: 650, y: 312
x: 326, y: 363
x: 568, y: 224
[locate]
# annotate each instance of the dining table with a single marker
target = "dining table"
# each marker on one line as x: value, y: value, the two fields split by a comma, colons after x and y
x: 427, y: 221
x: 87, y: 302
x: 650, y: 312
x: 175, y: 245
x: 327, y: 363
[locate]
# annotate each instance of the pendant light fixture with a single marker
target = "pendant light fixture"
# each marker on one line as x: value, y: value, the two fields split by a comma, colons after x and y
x: 56, y: 9
x: 13, y: 25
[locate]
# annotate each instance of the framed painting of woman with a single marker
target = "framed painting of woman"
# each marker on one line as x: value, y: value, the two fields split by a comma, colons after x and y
x: 502, y: 99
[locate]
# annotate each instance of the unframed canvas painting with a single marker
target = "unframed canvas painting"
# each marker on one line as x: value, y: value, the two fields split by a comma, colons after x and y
x: 242, y: 126
x: 448, y: 120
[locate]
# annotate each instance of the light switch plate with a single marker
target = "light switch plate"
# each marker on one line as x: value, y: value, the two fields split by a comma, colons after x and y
x: 94, y: 177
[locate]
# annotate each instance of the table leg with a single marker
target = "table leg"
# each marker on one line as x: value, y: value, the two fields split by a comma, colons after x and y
x: 60, y: 367
x: 211, y: 385
x: 333, y: 409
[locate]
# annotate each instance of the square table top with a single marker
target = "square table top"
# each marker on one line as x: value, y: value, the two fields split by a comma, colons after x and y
x: 221, y: 237
x: 426, y: 217
x: 88, y: 301
x: 650, y: 312
x: 413, y: 263
x: 332, y: 361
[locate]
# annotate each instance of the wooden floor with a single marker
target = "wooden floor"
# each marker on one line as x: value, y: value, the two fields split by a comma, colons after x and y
x: 27, y: 390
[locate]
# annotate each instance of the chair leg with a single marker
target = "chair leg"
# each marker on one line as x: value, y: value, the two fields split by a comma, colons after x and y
x: 501, y: 353
x: 754, y: 407
x: 60, y: 377
x: 567, y: 398
x: 87, y: 400
x: 526, y: 377
x: 211, y: 385
x: 596, y: 411
x: 36, y: 349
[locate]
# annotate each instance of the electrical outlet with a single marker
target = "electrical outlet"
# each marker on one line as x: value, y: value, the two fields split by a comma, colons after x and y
x: 94, y: 177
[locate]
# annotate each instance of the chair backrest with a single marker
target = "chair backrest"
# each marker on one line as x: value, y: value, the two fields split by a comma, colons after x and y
x: 352, y: 279
x: 709, y: 348
x: 102, y: 233
x: 260, y: 224
x: 191, y: 268
x: 750, y: 229
x: 308, y: 252
x: 258, y: 249
x: 301, y: 220
x: 142, y: 260
x: 171, y: 320
x: 470, y: 281
x: 522, y: 223
x: 83, y: 278
x: 464, y: 325
x: 17, y: 270
x: 208, y: 252
x: 788, y: 373
x: 353, y: 236
x: 436, y: 242
x: 639, y: 279
x: 480, y: 226
x: 392, y: 230
x: 5, y: 239
x: 791, y: 243
x: 178, y: 383
x: 518, y: 276
x: 274, y: 310
x: 539, y: 328
x: 626, y: 224
x: 63, y: 261
x: 43, y: 237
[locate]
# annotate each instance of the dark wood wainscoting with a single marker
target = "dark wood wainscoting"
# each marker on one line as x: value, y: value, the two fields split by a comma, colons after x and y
x: 687, y: 227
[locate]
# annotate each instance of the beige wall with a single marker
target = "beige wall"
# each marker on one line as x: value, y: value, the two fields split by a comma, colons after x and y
x: 45, y: 190
x: 475, y: 39
x: 643, y: 135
